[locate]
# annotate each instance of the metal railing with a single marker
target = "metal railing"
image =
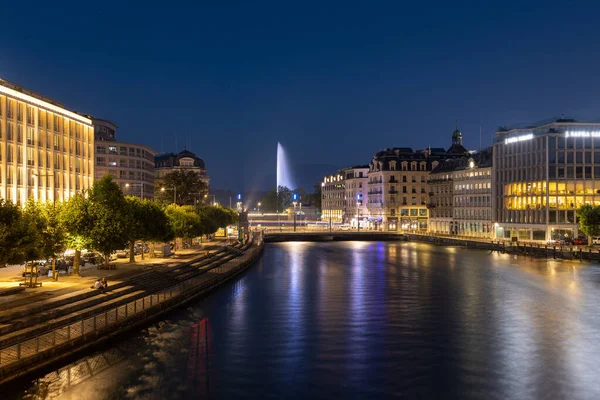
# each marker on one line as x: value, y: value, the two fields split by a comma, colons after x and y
x: 120, y: 315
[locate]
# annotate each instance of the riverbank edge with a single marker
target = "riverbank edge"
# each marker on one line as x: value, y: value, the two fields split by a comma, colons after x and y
x: 276, y: 237
x: 79, y: 345
x: 580, y: 253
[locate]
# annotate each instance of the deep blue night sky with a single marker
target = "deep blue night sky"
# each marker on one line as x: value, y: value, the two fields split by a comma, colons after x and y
x: 333, y: 82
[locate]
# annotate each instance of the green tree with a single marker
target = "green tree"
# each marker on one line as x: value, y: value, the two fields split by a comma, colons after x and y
x: 11, y: 223
x: 269, y: 201
x: 183, y: 186
x: 109, y: 217
x: 77, y: 221
x: 185, y: 221
x: 303, y: 196
x: 315, y: 197
x: 53, y: 234
x: 32, y: 228
x: 277, y: 199
x: 589, y: 221
x: 148, y: 223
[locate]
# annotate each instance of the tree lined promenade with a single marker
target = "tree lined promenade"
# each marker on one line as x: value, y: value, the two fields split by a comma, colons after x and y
x: 101, y: 219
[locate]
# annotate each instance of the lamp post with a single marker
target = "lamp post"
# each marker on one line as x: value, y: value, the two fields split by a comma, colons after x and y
x: 128, y: 185
x: 294, y: 203
x: 162, y: 189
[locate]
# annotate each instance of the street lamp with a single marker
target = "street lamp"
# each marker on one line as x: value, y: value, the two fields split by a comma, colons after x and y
x: 295, y: 203
x: 259, y: 204
x: 128, y: 185
x: 174, y: 189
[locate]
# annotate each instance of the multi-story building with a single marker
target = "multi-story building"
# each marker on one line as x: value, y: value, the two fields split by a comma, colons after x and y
x: 398, y: 185
x: 542, y: 174
x: 472, y: 196
x: 186, y: 160
x: 397, y: 194
x: 441, y: 197
x: 461, y: 196
x: 356, y: 186
x: 46, y: 151
x: 333, y: 193
x: 131, y: 165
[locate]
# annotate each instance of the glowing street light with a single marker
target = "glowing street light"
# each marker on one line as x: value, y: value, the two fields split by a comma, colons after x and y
x: 128, y: 185
x: 162, y: 189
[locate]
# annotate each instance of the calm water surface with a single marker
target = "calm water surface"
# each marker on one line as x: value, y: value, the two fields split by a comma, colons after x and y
x: 362, y: 320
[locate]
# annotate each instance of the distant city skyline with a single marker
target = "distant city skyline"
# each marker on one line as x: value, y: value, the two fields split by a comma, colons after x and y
x: 332, y: 84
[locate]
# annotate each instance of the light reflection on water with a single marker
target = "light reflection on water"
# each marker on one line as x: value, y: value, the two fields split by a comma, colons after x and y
x: 363, y: 320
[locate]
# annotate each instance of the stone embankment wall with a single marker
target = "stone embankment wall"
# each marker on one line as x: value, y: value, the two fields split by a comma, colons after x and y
x: 582, y: 253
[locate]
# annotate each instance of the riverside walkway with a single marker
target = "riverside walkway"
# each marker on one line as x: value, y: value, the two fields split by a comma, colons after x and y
x: 38, y: 329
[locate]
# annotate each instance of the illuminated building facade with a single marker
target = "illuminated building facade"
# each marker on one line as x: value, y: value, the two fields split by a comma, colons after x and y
x: 398, y: 189
x: 461, y: 196
x: 46, y: 151
x: 356, y: 186
x: 542, y: 174
x: 399, y: 185
x: 333, y: 197
x: 130, y: 165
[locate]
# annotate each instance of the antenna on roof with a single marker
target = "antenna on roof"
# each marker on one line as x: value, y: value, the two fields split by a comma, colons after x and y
x: 480, y: 137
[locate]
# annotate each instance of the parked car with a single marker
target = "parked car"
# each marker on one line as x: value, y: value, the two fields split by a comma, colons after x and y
x: 41, y: 266
x: 579, y: 242
x: 91, y: 258
x: 122, y: 253
x: 596, y: 240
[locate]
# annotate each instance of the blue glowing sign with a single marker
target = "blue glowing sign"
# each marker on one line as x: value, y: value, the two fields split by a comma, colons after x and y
x: 239, y: 196
x: 295, y: 196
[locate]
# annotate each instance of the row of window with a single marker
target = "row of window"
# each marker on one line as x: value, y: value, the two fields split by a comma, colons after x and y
x: 111, y: 162
x: 469, y: 213
x: 410, y: 212
x: 76, y: 130
x: 42, y: 181
x: 421, y: 200
x: 123, y: 151
x: 473, y: 186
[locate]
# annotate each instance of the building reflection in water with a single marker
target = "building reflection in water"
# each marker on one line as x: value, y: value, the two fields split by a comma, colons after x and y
x: 200, y: 375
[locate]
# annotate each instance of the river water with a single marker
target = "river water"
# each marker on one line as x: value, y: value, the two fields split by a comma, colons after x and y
x: 361, y: 320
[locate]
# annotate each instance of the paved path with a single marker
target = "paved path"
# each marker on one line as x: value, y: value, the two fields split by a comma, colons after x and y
x: 11, y: 276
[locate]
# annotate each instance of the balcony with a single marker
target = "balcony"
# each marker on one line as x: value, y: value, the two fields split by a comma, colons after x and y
x: 393, y: 192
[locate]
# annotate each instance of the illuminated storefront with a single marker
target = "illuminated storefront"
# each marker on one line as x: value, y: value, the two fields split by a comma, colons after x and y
x: 542, y: 176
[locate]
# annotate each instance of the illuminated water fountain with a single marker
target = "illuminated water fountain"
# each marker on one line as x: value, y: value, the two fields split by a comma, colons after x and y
x: 284, y: 174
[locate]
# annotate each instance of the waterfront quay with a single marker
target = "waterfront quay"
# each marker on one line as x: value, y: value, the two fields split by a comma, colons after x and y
x: 36, y: 334
x: 565, y: 252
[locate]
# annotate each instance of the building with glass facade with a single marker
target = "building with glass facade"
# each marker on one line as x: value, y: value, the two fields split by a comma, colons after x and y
x: 542, y: 174
x: 46, y: 151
